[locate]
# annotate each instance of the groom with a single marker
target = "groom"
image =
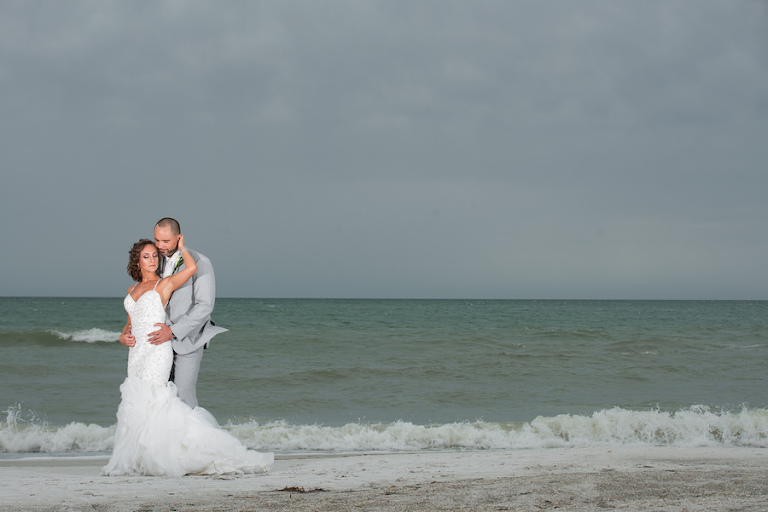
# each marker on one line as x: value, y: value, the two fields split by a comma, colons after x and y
x: 188, y: 315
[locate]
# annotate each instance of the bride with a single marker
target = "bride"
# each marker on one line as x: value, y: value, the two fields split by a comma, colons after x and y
x: 157, y: 433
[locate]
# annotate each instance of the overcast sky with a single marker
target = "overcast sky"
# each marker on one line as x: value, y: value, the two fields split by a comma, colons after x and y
x: 416, y: 149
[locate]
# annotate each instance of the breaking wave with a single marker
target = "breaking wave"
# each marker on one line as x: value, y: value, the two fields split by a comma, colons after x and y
x: 92, y: 335
x: 696, y: 426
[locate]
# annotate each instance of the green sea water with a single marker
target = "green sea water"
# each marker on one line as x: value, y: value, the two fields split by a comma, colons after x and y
x: 334, y: 363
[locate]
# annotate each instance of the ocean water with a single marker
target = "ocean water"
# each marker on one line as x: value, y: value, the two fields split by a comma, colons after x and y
x: 296, y: 375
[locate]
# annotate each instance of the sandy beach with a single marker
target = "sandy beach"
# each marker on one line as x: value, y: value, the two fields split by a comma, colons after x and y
x: 629, y: 478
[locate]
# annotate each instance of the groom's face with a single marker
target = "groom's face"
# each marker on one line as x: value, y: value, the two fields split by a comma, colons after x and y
x: 165, y: 240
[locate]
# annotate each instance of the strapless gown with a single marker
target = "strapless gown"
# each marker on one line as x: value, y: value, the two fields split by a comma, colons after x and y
x: 157, y: 433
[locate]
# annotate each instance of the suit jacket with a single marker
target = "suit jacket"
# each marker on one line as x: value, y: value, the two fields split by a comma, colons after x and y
x: 189, y: 310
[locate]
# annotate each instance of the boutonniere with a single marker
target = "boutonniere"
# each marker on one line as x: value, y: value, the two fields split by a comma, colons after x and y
x: 178, y: 264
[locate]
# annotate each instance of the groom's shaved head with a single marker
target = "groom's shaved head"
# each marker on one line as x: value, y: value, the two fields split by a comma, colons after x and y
x: 171, y: 224
x: 167, y: 234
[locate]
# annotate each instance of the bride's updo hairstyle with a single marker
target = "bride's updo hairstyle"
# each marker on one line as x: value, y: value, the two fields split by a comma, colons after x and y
x: 133, y: 261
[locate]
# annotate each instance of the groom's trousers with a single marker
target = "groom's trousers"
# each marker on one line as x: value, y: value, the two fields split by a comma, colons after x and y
x: 186, y: 368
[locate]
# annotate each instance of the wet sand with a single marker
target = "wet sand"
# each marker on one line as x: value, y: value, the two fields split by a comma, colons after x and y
x: 578, y: 479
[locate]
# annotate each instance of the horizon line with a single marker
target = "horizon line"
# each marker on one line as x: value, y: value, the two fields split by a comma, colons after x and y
x: 405, y: 298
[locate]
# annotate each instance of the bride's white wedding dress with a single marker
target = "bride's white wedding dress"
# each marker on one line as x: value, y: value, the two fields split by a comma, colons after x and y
x: 157, y: 433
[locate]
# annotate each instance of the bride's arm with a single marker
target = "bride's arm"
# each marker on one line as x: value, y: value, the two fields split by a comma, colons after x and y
x: 126, y: 337
x: 172, y: 283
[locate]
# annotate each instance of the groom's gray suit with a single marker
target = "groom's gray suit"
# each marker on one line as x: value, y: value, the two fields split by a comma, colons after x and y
x: 189, y: 316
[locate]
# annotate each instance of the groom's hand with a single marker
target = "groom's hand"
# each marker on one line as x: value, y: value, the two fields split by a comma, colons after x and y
x: 161, y: 335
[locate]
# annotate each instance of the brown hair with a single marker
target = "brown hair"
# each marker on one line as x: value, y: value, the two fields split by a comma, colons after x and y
x: 133, y: 260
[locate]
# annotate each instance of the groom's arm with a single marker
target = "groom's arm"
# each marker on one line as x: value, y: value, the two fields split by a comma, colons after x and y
x: 203, y: 300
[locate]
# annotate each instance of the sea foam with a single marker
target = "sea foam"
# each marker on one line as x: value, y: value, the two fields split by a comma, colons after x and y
x: 696, y: 426
x: 24, y: 433
x: 92, y: 335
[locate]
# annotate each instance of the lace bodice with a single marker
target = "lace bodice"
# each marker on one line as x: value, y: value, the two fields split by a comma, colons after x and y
x: 151, y: 363
x: 145, y: 312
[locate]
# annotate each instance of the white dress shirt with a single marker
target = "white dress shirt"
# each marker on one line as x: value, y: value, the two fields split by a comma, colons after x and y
x: 170, y: 263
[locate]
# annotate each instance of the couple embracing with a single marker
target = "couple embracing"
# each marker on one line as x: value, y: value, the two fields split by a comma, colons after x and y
x: 160, y: 428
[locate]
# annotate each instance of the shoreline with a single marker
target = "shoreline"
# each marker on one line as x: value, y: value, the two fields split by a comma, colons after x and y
x: 580, y: 479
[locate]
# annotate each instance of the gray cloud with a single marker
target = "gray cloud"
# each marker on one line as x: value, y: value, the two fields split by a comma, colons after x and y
x: 390, y: 149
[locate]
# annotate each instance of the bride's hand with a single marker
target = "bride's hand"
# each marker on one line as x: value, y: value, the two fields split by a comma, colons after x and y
x: 181, y: 244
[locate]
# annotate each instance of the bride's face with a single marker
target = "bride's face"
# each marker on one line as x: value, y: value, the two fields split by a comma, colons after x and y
x: 148, y: 258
